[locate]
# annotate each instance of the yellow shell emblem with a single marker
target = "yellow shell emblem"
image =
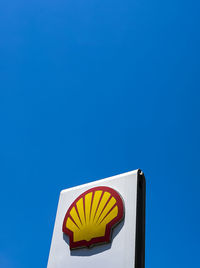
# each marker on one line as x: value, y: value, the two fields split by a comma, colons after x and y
x: 91, y: 217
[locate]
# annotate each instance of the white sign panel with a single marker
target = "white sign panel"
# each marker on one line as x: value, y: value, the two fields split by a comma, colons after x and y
x: 101, y: 224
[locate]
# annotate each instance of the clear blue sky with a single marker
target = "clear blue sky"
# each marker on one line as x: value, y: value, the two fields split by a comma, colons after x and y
x: 90, y: 89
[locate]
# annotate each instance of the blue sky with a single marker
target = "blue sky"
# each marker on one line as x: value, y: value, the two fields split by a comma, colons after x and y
x: 90, y: 89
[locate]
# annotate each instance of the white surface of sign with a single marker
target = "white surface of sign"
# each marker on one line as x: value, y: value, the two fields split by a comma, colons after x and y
x: 120, y: 253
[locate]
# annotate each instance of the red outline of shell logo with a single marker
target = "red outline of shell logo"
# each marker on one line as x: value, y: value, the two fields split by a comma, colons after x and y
x: 92, y: 216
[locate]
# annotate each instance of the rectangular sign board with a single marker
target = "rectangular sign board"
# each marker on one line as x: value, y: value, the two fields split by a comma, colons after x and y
x: 101, y: 224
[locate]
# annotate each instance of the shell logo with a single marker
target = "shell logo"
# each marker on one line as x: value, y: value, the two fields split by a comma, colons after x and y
x: 92, y: 216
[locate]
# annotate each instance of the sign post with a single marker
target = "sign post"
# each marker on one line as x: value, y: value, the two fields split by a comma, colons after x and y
x: 101, y: 224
